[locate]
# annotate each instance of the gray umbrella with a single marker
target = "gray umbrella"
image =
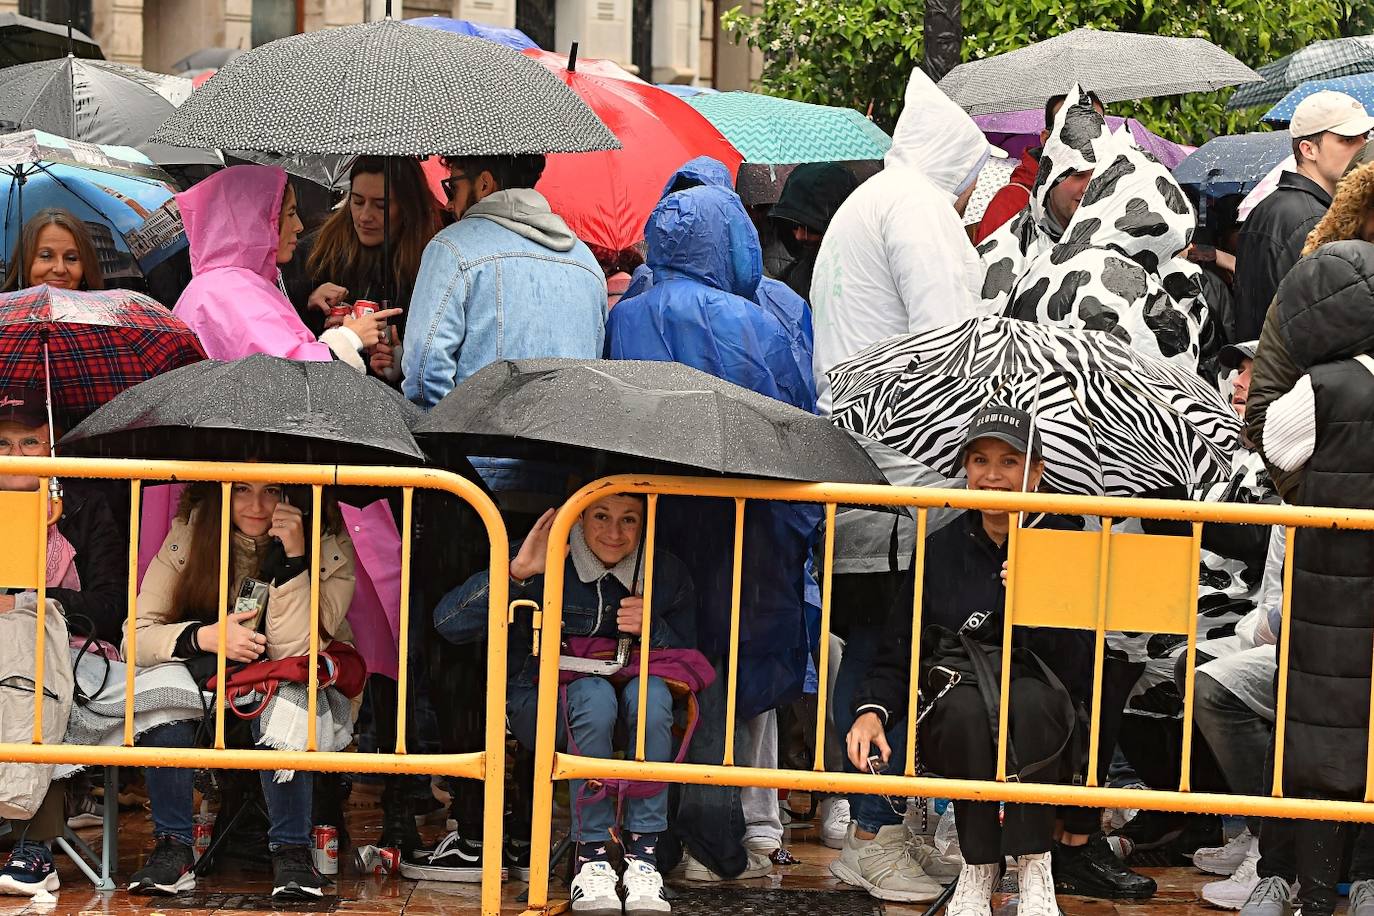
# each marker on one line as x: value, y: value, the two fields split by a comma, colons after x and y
x: 1321, y: 60
x: 96, y: 101
x: 388, y: 89
x: 262, y: 408
x: 24, y: 39
x: 1118, y: 66
x: 643, y: 416
x: 205, y: 59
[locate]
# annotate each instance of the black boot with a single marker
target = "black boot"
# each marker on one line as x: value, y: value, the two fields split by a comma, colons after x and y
x: 1093, y: 870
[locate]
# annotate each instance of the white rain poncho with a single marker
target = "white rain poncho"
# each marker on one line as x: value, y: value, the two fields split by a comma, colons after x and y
x: 895, y: 258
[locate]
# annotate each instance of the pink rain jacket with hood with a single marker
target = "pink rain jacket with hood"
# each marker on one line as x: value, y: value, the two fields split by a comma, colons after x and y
x: 233, y: 303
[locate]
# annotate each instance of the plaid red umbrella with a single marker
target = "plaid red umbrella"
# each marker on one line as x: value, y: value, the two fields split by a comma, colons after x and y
x: 98, y: 344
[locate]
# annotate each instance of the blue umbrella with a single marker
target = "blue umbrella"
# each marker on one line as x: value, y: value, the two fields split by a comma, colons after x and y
x: 683, y: 91
x: 511, y: 38
x: 1235, y: 164
x: 127, y: 202
x: 1361, y: 86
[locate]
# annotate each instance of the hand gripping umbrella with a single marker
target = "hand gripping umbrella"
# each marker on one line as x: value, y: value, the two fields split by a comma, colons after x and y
x: 1113, y: 421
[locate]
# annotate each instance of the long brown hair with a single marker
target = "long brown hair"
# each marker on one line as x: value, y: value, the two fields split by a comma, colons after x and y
x: 17, y: 275
x: 196, y: 596
x: 337, y: 250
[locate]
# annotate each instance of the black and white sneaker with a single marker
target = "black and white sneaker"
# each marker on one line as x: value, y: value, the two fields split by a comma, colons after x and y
x: 294, y: 876
x: 454, y: 859
x: 515, y: 857
x: 167, y: 870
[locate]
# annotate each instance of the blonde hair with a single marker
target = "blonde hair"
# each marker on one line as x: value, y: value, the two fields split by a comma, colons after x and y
x: 1344, y: 219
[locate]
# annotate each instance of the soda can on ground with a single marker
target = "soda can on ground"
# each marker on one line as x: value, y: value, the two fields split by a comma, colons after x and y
x: 377, y: 860
x: 202, y: 832
x: 325, y: 848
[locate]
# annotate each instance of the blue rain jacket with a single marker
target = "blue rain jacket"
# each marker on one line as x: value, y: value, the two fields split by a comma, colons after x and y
x: 707, y: 263
x: 773, y: 295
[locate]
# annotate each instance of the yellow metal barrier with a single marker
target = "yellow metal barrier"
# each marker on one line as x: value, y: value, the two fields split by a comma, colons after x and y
x: 1085, y: 580
x: 23, y: 562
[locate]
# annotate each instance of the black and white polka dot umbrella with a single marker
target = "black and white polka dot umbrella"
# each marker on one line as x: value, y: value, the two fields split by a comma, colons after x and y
x: 390, y: 89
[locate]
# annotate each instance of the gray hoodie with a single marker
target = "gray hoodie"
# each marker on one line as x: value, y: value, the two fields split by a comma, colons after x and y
x: 525, y: 212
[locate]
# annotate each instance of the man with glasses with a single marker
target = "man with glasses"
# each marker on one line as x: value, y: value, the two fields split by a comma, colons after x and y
x: 508, y: 280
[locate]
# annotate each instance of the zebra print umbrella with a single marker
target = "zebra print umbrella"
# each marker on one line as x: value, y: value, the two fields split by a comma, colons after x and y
x: 1113, y: 421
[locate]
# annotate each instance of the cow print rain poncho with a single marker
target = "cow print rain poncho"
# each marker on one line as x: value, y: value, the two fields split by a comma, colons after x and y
x: 1114, y: 268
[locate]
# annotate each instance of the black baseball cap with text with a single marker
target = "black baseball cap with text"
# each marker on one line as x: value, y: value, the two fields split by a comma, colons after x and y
x: 25, y: 406
x: 1007, y: 424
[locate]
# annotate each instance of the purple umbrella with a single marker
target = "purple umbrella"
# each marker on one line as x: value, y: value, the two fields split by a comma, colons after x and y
x: 1016, y: 131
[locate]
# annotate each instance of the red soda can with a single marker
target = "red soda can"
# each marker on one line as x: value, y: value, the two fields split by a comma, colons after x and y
x: 325, y: 848
x: 377, y: 860
x: 341, y: 311
x: 364, y: 307
x: 202, y: 831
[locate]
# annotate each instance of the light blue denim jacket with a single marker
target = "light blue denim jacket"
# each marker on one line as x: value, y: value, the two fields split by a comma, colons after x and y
x: 507, y: 281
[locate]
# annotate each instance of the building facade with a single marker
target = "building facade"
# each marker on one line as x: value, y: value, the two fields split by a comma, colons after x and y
x: 664, y: 41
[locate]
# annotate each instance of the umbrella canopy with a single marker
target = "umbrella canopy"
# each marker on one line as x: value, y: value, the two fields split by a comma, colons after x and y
x: 656, y: 412
x: 261, y: 407
x: 388, y: 89
x: 1235, y: 164
x: 684, y: 91
x: 1360, y: 86
x: 205, y: 59
x: 126, y: 202
x: 1117, y: 66
x: 607, y: 197
x: 993, y: 177
x: 99, y: 344
x: 1016, y: 131
x: 97, y: 101
x: 1320, y: 60
x: 761, y: 183
x: 511, y: 38
x: 768, y: 129
x: 24, y: 40
x: 1112, y: 420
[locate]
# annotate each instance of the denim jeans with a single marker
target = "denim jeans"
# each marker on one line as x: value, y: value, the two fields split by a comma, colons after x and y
x: 171, y: 793
x: 870, y: 812
x: 588, y: 717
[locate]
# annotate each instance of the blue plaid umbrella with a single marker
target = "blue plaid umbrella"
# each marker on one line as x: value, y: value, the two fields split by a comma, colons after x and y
x: 1235, y: 164
x: 1360, y: 86
x: 1321, y: 60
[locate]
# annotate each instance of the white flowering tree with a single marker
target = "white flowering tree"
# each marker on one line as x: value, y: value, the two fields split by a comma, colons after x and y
x: 857, y: 53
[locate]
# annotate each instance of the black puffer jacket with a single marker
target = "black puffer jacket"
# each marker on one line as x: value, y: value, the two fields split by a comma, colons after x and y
x: 101, y: 563
x: 810, y: 198
x: 1271, y: 242
x: 1325, y: 314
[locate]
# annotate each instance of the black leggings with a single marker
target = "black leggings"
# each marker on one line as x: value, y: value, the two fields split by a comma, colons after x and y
x: 956, y: 742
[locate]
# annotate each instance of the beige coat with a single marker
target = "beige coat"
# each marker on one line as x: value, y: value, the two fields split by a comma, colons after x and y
x: 288, y: 606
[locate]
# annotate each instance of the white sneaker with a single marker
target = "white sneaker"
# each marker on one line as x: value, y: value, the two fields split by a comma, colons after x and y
x: 1231, y: 893
x: 834, y: 817
x: 644, y: 890
x: 943, y: 868
x: 973, y: 893
x: 1037, y: 886
x: 883, y: 866
x: 594, y: 890
x: 758, y: 867
x: 1224, y: 860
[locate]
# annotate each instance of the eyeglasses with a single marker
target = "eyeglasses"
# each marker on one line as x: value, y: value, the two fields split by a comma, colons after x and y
x: 28, y: 445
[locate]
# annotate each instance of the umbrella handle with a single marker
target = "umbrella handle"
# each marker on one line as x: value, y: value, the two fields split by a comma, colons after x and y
x: 54, y: 510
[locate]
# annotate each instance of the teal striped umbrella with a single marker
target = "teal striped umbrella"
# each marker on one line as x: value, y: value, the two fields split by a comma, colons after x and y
x: 768, y: 129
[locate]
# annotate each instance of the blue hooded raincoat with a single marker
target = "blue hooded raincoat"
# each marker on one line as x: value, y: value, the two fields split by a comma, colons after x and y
x: 707, y: 263
x: 776, y: 297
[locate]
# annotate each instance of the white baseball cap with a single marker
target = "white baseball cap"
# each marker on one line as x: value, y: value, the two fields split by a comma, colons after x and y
x: 1330, y: 111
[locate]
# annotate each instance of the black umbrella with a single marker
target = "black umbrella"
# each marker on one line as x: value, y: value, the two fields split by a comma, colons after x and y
x: 635, y: 415
x: 24, y: 39
x: 97, y: 101
x: 263, y: 408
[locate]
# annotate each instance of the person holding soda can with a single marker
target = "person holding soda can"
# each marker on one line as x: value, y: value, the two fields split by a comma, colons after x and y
x: 236, y: 302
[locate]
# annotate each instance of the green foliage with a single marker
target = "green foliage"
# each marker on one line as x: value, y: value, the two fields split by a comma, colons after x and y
x: 858, y: 53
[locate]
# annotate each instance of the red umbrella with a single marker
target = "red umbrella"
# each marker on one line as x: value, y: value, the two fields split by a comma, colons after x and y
x: 607, y: 197
x: 94, y: 344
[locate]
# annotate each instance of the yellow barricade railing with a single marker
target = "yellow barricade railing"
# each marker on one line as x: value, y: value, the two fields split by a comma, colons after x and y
x: 1096, y: 581
x: 23, y: 563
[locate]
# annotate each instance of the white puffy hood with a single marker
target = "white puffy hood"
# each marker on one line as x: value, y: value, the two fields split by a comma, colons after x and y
x: 936, y: 137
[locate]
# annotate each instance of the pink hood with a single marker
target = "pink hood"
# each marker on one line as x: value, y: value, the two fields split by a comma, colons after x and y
x: 232, y: 220
x: 233, y: 302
